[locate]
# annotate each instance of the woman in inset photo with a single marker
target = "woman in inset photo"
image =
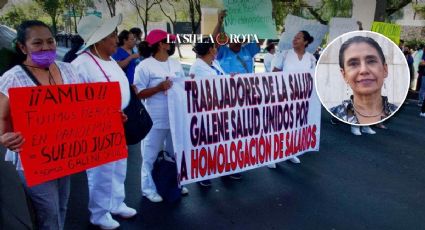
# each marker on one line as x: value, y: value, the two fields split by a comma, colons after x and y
x: 364, y: 69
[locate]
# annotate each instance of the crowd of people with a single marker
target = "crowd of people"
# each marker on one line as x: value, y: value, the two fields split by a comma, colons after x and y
x: 99, y: 54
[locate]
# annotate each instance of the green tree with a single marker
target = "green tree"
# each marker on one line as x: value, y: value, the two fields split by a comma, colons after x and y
x: 195, y: 14
x: 385, y: 8
x: 77, y: 9
x: 14, y: 17
x: 53, y: 8
x: 24, y: 11
x: 322, y: 12
x: 143, y: 8
x: 112, y: 6
x: 419, y: 9
x: 327, y: 9
x: 168, y: 8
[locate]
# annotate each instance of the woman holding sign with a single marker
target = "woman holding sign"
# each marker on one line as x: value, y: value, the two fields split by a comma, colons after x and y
x: 153, y: 77
x: 205, y: 66
x: 295, y: 60
x: 106, y: 182
x: 36, y: 53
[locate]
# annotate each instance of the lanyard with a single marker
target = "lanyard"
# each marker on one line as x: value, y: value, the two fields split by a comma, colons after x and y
x: 216, y: 70
x: 104, y: 74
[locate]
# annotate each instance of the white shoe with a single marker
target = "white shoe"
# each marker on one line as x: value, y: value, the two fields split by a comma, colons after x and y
x: 125, y: 212
x: 355, y: 130
x: 368, y: 130
x: 154, y: 197
x: 295, y: 160
x: 185, y: 191
x: 271, y: 166
x: 106, y: 222
x: 422, y: 114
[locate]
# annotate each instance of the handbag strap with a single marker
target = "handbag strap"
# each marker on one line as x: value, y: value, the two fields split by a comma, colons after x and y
x: 94, y: 59
x: 30, y: 75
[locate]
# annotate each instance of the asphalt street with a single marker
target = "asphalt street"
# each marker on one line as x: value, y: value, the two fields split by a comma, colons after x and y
x: 353, y: 182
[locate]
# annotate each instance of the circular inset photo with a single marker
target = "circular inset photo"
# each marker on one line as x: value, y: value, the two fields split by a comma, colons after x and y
x: 362, y: 78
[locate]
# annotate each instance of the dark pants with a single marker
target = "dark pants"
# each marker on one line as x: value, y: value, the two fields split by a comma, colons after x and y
x: 50, y: 201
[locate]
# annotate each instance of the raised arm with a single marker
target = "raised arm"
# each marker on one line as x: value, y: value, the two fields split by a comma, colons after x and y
x: 124, y: 63
x: 219, y: 24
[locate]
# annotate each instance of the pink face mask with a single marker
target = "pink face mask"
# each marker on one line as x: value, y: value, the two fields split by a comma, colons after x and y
x: 43, y: 58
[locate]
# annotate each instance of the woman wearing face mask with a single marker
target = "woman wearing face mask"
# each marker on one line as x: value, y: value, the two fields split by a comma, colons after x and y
x: 294, y: 60
x: 36, y: 49
x: 205, y: 64
x: 152, y: 78
x: 106, y: 182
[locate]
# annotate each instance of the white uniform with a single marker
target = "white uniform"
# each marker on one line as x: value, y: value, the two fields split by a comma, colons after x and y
x: 287, y: 60
x: 149, y: 73
x: 106, y: 182
x: 268, y: 57
x: 201, y: 69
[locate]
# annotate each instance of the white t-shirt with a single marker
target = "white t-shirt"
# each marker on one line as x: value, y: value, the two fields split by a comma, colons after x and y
x: 89, y: 70
x: 201, y: 69
x: 150, y: 73
x: 268, y: 57
x: 288, y: 61
x: 16, y: 77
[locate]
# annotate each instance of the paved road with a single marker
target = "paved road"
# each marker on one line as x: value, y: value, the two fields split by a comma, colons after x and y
x: 354, y: 182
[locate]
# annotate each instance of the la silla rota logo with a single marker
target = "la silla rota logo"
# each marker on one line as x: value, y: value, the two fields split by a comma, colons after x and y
x: 221, y: 38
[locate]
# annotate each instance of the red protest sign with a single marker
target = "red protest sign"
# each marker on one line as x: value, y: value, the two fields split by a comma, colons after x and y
x: 67, y: 128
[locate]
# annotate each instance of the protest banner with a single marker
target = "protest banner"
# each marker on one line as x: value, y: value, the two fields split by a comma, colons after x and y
x: 294, y: 24
x: 340, y: 26
x: 224, y: 125
x: 67, y: 128
x: 391, y: 31
x: 250, y: 17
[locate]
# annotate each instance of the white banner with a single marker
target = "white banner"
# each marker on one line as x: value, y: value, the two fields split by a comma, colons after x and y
x: 224, y: 125
x: 340, y: 26
x: 294, y: 24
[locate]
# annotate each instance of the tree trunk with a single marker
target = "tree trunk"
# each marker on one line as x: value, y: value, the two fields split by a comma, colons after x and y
x: 177, y: 43
x: 54, y: 27
x: 381, y: 10
x: 192, y: 17
x: 75, y: 19
x: 145, y: 23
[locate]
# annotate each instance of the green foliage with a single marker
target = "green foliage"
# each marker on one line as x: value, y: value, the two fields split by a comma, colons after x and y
x: 335, y: 8
x: 420, y: 9
x: 415, y: 43
x: 322, y: 12
x: 53, y: 8
x: 14, y: 17
x: 20, y: 12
